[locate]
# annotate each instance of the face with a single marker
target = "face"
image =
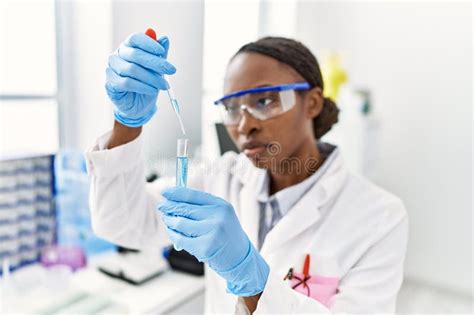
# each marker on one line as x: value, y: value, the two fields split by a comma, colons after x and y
x: 267, y: 142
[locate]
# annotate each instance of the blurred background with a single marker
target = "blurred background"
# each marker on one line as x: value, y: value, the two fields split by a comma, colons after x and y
x: 401, y: 73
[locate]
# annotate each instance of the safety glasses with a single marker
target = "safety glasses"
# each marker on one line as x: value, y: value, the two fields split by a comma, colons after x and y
x: 262, y: 103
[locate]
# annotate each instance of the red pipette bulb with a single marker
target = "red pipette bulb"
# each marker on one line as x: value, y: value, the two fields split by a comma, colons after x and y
x: 150, y: 32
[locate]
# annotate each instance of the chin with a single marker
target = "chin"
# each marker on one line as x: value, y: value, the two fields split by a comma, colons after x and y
x: 263, y: 161
x: 260, y: 162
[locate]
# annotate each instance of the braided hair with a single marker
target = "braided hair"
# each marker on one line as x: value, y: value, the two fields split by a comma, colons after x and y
x: 299, y: 57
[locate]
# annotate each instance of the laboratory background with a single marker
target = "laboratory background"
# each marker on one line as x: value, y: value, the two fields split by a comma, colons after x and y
x: 401, y: 73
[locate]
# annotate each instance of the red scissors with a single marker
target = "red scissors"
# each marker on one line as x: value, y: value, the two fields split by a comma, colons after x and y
x: 305, y: 278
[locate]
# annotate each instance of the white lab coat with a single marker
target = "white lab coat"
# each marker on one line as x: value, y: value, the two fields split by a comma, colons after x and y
x: 352, y: 229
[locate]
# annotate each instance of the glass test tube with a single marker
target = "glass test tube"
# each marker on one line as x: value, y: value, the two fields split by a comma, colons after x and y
x: 182, y: 163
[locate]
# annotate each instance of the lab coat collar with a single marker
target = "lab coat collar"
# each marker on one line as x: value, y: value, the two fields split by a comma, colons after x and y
x: 304, y: 213
x: 307, y: 211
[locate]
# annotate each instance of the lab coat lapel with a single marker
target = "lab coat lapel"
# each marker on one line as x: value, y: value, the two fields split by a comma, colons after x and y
x: 307, y: 211
x: 249, y: 212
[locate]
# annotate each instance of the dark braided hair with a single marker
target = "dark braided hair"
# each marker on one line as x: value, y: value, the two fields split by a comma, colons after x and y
x: 299, y: 57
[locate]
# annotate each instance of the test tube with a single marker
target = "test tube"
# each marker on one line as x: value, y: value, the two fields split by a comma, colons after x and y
x: 182, y: 163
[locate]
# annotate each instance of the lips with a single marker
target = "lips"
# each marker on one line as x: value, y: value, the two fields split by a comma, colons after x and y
x: 253, y: 148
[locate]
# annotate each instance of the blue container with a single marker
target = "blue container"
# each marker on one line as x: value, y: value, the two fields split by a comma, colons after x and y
x: 72, y: 204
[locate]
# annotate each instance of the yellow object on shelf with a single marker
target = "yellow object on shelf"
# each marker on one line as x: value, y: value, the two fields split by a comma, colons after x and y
x: 334, y: 75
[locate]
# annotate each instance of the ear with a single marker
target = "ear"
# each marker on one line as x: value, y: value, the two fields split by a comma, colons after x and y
x: 313, y: 101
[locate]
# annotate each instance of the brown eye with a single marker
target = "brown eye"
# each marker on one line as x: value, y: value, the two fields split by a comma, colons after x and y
x: 263, y: 102
x: 232, y: 108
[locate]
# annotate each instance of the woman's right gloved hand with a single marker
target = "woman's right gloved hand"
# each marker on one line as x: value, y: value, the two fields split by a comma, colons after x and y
x: 134, y: 77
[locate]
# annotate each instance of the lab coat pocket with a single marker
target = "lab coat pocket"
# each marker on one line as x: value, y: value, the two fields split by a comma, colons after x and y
x: 320, y: 288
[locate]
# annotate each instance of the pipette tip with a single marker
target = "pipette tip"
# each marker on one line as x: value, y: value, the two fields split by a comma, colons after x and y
x: 181, y: 124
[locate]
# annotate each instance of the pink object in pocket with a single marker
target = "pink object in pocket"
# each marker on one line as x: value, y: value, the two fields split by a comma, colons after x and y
x: 317, y: 287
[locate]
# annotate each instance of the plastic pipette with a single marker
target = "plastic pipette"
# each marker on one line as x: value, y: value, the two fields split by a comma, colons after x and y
x: 174, y: 102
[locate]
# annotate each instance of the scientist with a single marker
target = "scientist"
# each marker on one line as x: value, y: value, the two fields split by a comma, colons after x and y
x: 283, y: 227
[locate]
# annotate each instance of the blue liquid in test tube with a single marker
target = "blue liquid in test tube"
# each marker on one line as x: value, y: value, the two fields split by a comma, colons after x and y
x: 182, y: 163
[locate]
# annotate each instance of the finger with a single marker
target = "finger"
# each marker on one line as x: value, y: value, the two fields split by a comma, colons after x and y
x: 183, y: 194
x: 196, y: 246
x: 165, y: 43
x: 119, y: 84
x: 127, y: 69
x: 175, y: 237
x: 182, y: 209
x: 180, y: 240
x: 146, y: 43
x: 188, y: 227
x: 140, y: 57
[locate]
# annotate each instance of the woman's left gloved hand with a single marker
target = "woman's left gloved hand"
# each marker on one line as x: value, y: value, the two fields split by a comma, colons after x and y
x: 207, y: 227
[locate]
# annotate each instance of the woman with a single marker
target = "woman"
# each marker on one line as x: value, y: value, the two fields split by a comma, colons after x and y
x: 282, y: 227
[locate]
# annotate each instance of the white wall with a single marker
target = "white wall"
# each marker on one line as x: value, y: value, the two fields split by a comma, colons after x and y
x: 416, y: 58
x: 182, y: 21
x: 84, y: 38
x: 228, y: 26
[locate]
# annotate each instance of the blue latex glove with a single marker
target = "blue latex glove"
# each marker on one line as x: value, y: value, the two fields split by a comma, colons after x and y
x: 207, y: 227
x: 135, y: 75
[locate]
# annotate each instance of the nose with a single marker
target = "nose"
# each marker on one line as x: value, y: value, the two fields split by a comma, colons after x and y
x: 248, y: 124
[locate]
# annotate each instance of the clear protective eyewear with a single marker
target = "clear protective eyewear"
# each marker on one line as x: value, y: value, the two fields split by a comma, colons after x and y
x: 262, y: 103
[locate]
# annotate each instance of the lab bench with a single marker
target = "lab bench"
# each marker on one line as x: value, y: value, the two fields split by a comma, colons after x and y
x: 36, y: 290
